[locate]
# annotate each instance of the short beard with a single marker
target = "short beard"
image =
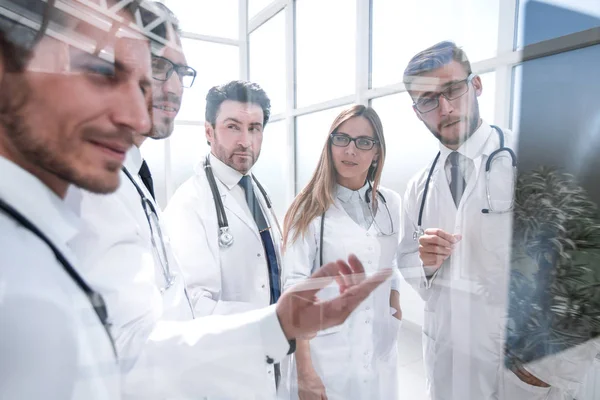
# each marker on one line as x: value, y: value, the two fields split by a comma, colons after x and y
x: 472, y: 125
x: 40, y: 156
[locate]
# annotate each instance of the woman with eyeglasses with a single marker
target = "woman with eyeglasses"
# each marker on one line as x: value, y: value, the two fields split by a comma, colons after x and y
x: 342, y: 210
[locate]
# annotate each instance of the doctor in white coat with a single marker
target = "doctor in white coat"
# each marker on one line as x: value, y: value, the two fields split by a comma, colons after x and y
x: 455, y: 245
x: 243, y: 274
x: 344, y: 209
x: 164, y: 352
x: 59, y: 115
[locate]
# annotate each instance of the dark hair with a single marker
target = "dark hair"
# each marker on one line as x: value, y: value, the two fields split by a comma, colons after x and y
x: 244, y: 92
x: 18, y: 40
x: 434, y: 57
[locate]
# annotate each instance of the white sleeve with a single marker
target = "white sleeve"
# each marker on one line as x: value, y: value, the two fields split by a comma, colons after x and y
x: 301, y: 257
x: 409, y: 262
x: 201, y: 268
x: 217, y: 355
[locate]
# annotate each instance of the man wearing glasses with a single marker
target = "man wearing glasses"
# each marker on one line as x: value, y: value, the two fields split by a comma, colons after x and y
x: 455, y: 249
x: 163, y: 351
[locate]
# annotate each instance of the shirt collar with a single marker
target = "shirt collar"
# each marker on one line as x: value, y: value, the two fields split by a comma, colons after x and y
x: 347, y: 195
x: 227, y: 175
x: 473, y: 147
x: 32, y: 198
x: 133, y: 160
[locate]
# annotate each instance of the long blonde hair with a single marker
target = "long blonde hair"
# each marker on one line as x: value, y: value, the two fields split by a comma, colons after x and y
x: 318, y: 195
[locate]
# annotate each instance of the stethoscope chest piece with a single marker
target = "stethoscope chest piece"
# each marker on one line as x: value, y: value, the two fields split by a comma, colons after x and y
x: 225, y: 237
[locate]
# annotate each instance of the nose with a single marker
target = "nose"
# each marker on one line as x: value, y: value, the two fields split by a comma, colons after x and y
x: 445, y: 106
x: 132, y: 108
x: 351, y: 148
x: 244, y: 139
x: 173, y: 85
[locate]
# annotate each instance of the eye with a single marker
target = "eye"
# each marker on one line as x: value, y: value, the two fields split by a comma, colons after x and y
x: 234, y: 127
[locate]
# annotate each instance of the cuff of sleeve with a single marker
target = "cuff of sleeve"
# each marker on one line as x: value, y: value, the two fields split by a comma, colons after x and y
x: 274, y: 341
x: 430, y: 274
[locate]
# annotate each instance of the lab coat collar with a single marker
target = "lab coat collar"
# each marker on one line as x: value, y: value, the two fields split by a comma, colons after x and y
x: 227, y: 175
x: 32, y: 198
x: 133, y: 160
x: 346, y: 195
x: 474, y: 147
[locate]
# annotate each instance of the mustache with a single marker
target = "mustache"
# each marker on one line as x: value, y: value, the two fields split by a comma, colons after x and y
x: 448, y: 120
x: 166, y: 98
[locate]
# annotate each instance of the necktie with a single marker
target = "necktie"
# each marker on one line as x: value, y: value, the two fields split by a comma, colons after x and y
x: 457, y: 180
x: 146, y: 177
x: 265, y: 234
x: 267, y: 240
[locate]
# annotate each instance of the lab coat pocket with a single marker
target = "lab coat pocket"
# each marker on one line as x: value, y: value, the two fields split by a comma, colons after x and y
x: 388, y: 337
x: 513, y: 388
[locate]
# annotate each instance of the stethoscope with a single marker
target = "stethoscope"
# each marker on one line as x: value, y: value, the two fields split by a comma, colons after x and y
x: 368, y: 200
x: 420, y: 232
x: 94, y: 297
x: 225, y: 235
x: 149, y: 209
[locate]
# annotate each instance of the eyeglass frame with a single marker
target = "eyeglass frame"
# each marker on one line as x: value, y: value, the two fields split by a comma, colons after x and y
x: 351, y: 139
x: 175, y: 67
x: 468, y: 81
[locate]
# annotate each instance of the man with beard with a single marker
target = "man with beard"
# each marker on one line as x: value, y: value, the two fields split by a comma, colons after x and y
x: 455, y: 250
x: 164, y: 352
x: 228, y: 278
x: 71, y: 98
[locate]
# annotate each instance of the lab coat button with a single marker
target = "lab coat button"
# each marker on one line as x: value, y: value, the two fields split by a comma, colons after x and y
x: 368, y: 234
x: 263, y: 286
x: 370, y: 248
x: 258, y: 255
x: 370, y: 262
x: 270, y: 360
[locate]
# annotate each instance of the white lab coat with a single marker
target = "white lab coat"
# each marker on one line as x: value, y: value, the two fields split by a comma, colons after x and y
x: 52, y: 344
x: 466, y: 301
x: 221, y: 280
x: 358, y: 359
x: 164, y: 352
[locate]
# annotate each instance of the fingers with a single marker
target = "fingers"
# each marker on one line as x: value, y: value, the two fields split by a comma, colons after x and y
x: 320, y: 279
x: 448, y: 237
x: 357, y: 270
x: 336, y: 311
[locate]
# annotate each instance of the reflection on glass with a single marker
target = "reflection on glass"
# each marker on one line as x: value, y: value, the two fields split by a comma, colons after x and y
x: 325, y: 50
x: 267, y: 60
x: 311, y: 132
x: 207, y: 17
x: 256, y: 6
x: 549, y: 19
x: 403, y: 28
x: 188, y: 147
x: 274, y: 166
x: 215, y: 64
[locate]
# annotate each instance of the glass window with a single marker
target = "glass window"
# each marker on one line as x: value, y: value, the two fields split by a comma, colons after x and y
x: 311, y: 133
x: 274, y: 167
x: 207, y: 17
x: 267, y: 60
x: 188, y: 147
x: 153, y: 152
x: 547, y: 19
x: 256, y: 6
x: 216, y: 64
x: 325, y: 50
x: 401, y: 29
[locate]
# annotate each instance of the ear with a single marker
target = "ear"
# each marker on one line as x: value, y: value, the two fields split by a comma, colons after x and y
x: 478, y: 85
x: 209, y: 132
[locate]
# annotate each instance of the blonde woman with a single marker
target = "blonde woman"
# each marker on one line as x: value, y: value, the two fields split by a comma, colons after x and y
x: 344, y: 210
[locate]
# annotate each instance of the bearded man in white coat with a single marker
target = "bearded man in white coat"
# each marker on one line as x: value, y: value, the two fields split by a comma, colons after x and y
x: 455, y: 248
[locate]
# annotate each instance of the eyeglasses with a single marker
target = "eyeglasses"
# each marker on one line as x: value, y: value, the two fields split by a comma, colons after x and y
x: 453, y: 92
x: 343, y: 140
x: 159, y: 248
x: 162, y: 69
